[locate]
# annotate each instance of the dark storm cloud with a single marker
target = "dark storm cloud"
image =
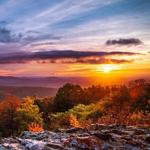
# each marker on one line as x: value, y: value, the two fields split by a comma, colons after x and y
x: 63, y: 56
x: 130, y: 41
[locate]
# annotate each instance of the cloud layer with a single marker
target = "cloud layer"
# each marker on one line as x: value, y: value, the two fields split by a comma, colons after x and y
x: 79, y: 25
x: 97, y: 32
x: 65, y: 56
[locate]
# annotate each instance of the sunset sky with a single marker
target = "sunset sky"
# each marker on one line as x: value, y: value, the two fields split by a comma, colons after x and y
x: 95, y: 38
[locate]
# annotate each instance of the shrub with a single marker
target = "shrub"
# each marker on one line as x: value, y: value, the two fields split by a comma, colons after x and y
x: 73, y: 121
x: 34, y: 127
x: 28, y: 113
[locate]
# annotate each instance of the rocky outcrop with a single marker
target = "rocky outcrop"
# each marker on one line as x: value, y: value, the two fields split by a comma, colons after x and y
x: 95, y: 137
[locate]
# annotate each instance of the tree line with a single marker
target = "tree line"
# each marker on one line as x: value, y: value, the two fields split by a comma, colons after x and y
x: 74, y: 105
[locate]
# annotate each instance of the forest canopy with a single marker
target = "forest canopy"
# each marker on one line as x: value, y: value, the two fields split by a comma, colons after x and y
x: 74, y: 105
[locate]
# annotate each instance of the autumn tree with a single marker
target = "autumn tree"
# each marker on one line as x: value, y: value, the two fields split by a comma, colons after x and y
x: 118, y: 109
x: 28, y: 113
x: 8, y: 114
x: 140, y: 93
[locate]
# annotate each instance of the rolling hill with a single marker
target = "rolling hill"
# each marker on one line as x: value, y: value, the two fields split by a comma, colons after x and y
x: 27, y: 91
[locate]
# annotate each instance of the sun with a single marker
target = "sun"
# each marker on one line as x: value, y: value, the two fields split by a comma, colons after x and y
x: 109, y: 68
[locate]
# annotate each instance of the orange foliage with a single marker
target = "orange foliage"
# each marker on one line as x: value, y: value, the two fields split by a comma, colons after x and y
x: 10, y: 102
x: 34, y: 127
x: 8, y: 113
x: 126, y: 118
x: 73, y: 121
x: 139, y: 119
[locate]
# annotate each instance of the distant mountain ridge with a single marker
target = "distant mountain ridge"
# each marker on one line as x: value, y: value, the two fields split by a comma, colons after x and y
x: 54, y: 82
x: 39, y: 86
x: 27, y: 91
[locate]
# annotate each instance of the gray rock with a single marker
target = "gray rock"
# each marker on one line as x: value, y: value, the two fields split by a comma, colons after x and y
x: 36, y: 147
x: 103, y: 136
x: 75, y: 129
x: 147, y: 138
x: 96, y: 137
x: 54, y: 146
x: 2, y: 147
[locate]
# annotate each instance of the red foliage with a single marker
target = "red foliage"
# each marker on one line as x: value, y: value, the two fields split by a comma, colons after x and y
x: 135, y: 92
x: 10, y: 102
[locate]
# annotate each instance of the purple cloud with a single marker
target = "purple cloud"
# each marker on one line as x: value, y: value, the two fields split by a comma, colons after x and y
x: 64, y: 56
x: 130, y: 41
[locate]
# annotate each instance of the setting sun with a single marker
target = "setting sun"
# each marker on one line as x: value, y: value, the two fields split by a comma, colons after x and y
x: 107, y: 68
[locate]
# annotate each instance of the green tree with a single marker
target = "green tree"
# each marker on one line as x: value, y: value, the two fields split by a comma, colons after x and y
x: 28, y: 113
x: 67, y: 96
x: 94, y: 94
x: 45, y: 107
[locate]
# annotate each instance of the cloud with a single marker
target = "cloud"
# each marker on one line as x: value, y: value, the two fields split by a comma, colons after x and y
x: 97, y: 60
x: 64, y: 56
x: 130, y: 41
x: 6, y: 36
x: 32, y: 38
x: 42, y: 44
x: 69, y: 23
x: 62, y: 11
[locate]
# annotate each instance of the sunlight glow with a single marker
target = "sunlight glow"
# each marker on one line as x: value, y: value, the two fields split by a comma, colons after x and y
x: 108, y: 68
